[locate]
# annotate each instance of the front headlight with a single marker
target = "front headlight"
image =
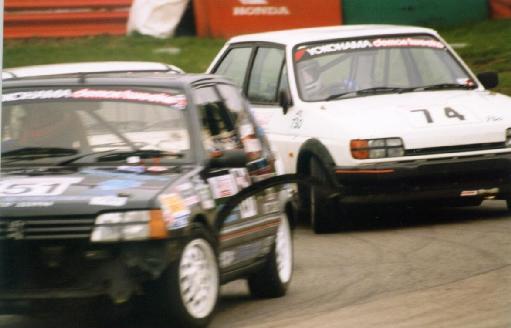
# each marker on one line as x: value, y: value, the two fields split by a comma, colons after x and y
x: 376, y: 148
x: 130, y: 225
x: 508, y: 137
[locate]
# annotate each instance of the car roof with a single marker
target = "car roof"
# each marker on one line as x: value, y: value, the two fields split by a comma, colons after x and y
x: 297, y: 36
x: 160, y: 79
x: 88, y: 67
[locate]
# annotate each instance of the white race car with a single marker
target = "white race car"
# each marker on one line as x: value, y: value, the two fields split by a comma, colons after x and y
x: 89, y: 67
x: 381, y: 113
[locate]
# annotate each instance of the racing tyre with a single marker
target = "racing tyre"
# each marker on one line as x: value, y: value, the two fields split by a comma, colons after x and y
x: 188, y: 291
x: 319, y: 204
x: 274, y: 278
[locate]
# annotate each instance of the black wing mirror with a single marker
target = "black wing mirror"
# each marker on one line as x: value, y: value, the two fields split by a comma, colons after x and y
x: 489, y: 80
x: 285, y: 101
x: 228, y: 158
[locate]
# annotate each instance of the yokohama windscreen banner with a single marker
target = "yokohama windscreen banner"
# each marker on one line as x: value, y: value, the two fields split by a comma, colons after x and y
x: 225, y: 18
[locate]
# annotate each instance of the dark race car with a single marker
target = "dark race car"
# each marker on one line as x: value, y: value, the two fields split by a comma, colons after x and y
x: 119, y: 186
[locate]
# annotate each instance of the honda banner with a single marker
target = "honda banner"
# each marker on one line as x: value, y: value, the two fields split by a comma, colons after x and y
x: 225, y: 18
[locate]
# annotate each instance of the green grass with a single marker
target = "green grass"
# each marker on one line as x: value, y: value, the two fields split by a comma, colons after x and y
x: 194, y: 55
x: 489, y: 49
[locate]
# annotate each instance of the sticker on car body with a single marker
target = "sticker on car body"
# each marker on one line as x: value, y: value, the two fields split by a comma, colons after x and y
x: 108, y: 201
x: 36, y: 186
x: 442, y: 116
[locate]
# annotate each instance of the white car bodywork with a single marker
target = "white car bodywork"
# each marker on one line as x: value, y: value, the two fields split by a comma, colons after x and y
x: 335, y: 123
x: 458, y: 128
x: 87, y: 67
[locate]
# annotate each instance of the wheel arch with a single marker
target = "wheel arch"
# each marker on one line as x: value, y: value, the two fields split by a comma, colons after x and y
x: 312, y: 147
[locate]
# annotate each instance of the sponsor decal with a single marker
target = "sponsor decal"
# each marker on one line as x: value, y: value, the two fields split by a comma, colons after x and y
x: 133, y: 169
x: 248, y: 207
x: 271, y: 207
x: 116, y: 184
x: 259, y: 8
x: 175, y: 211
x: 297, y: 120
x: 34, y: 204
x: 108, y: 201
x: 157, y: 169
x: 480, y: 192
x: 227, y: 258
x: 234, y: 216
x: 131, y: 176
x: 223, y: 186
x: 36, y: 186
x: 175, y: 101
x: 26, y: 204
x: 180, y: 221
x: 305, y: 52
x: 188, y: 194
x: 204, y: 194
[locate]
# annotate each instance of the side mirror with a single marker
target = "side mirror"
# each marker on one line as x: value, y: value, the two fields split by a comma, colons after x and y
x: 284, y: 101
x: 489, y: 80
x: 228, y: 158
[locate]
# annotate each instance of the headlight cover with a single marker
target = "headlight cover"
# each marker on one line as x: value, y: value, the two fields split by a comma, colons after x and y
x: 376, y: 148
x: 508, y: 137
x: 129, y: 226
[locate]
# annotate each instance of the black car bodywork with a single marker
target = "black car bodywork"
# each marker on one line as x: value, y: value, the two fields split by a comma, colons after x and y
x: 50, y: 200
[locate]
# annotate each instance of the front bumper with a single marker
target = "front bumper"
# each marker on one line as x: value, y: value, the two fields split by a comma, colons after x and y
x: 464, y: 178
x: 77, y: 270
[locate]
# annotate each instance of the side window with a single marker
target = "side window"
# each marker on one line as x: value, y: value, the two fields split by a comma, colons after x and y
x: 218, y: 126
x: 265, y: 75
x: 248, y: 133
x: 234, y: 65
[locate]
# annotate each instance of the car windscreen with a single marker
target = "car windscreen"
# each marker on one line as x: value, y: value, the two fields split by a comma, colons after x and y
x: 332, y: 69
x: 94, y: 125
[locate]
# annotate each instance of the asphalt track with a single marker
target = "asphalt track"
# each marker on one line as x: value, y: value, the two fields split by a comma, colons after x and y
x: 408, y: 268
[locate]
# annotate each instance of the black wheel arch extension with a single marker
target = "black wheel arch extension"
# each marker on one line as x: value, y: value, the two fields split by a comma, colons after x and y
x: 313, y: 148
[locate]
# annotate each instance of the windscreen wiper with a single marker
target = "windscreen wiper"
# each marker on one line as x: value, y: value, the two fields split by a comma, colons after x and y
x: 120, y: 155
x: 31, y: 153
x: 369, y: 91
x: 443, y: 86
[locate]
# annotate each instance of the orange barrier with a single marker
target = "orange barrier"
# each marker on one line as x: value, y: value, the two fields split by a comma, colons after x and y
x: 500, y: 8
x: 64, y: 18
x: 225, y: 18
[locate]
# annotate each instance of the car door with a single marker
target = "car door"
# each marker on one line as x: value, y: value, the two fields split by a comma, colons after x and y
x: 261, y: 71
x: 249, y: 229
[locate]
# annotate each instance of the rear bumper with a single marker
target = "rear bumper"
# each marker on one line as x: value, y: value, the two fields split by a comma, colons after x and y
x: 415, y: 181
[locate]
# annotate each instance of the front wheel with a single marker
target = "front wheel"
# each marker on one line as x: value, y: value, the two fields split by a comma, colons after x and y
x: 319, y: 205
x: 188, y: 290
x: 274, y: 278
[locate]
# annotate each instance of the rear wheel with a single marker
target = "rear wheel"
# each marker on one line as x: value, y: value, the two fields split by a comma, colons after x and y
x: 188, y: 291
x: 274, y: 278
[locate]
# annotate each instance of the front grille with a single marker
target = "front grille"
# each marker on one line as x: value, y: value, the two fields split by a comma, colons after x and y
x: 45, y: 229
x: 454, y: 149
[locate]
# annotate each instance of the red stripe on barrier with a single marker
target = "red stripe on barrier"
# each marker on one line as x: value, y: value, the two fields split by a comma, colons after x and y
x: 83, y: 18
